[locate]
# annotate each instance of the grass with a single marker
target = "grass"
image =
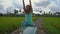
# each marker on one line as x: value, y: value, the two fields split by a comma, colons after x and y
x: 52, y: 24
x: 8, y: 24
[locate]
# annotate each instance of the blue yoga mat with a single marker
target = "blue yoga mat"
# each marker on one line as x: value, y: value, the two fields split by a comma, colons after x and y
x: 30, y: 30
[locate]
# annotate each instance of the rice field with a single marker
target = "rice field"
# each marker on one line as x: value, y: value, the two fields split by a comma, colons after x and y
x: 9, y: 24
x: 52, y: 24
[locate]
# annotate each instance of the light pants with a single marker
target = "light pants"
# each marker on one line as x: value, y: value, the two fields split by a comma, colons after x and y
x: 30, y: 30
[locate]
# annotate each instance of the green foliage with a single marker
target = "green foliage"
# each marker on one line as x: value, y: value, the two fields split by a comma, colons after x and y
x: 52, y: 24
x: 15, y: 11
x: 9, y: 24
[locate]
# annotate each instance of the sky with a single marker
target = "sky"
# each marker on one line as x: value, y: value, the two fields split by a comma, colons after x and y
x: 44, y: 5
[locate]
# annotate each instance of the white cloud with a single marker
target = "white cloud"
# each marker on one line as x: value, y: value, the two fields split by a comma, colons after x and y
x: 52, y: 4
x: 44, y: 4
x: 58, y: 0
x: 6, y: 3
x: 46, y: 10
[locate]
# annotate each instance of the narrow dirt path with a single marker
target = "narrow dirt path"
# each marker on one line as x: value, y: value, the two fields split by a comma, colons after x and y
x: 38, y: 24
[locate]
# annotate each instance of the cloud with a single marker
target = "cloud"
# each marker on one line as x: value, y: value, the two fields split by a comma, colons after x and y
x: 58, y: 3
x: 42, y: 3
x: 54, y: 6
x: 10, y: 9
x: 17, y: 4
x: 50, y: 5
x: 6, y: 3
x: 1, y: 1
x: 54, y: 9
x: 1, y: 7
x: 45, y: 5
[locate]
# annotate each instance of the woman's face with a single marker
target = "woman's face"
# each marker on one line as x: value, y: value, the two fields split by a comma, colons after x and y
x: 28, y: 7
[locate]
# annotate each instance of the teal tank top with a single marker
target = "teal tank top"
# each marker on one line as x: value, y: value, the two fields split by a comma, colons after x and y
x: 28, y: 18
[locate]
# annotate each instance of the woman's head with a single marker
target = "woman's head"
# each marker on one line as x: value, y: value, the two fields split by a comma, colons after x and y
x: 28, y: 9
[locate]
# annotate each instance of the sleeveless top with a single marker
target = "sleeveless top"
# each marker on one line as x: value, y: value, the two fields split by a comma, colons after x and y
x: 28, y: 21
x: 28, y: 18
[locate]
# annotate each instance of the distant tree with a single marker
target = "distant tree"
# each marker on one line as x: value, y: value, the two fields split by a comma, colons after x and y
x: 49, y: 13
x: 15, y: 11
x: 57, y: 13
x: 44, y: 12
x: 8, y: 13
x: 1, y: 14
x: 41, y: 11
x: 20, y: 10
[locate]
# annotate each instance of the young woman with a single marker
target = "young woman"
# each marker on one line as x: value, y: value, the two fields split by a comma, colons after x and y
x: 28, y: 17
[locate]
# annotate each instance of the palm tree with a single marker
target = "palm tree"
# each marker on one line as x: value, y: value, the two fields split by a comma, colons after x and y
x: 15, y: 12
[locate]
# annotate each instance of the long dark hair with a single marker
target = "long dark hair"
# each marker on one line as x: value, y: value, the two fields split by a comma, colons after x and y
x: 28, y: 9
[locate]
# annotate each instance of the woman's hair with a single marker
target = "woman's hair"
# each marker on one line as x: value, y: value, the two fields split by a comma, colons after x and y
x: 28, y: 9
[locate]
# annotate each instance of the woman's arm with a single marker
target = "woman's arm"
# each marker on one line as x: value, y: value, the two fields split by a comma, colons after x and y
x: 31, y: 6
x: 23, y: 5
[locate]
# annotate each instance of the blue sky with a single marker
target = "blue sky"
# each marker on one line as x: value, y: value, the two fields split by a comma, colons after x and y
x: 45, y: 5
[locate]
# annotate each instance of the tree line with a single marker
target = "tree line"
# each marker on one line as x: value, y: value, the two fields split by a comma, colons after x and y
x: 44, y: 14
